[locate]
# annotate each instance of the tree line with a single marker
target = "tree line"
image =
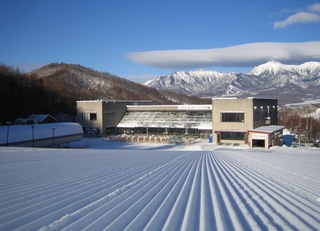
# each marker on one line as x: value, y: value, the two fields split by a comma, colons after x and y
x: 22, y: 95
x: 302, y: 123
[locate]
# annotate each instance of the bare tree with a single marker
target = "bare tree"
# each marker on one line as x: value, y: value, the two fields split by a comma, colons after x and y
x: 299, y: 121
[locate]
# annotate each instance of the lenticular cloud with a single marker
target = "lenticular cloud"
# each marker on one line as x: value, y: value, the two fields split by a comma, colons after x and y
x: 245, y: 55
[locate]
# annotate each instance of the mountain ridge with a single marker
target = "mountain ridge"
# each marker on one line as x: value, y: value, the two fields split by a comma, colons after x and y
x: 288, y: 83
x: 86, y: 83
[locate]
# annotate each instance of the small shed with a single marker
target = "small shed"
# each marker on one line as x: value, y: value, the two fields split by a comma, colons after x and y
x: 265, y: 136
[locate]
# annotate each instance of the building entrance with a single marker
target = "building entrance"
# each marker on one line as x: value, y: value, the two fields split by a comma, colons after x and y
x: 258, y: 143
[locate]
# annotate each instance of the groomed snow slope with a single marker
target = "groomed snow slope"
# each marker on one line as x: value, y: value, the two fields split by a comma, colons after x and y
x: 221, y: 189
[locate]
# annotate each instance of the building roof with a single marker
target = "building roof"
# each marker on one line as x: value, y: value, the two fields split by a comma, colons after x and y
x: 116, y: 101
x: 40, y: 117
x: 234, y: 98
x: 268, y: 129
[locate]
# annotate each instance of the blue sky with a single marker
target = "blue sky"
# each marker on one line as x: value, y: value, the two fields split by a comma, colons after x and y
x: 142, y: 39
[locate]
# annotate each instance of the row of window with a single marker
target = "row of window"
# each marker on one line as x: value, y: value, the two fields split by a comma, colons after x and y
x: 232, y: 135
x: 232, y: 117
x: 225, y: 117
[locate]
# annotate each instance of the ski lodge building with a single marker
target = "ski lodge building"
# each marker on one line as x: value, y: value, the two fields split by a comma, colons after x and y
x: 251, y: 121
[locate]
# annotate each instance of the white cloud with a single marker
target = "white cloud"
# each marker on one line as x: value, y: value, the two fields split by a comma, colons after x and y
x: 300, y: 17
x: 314, y: 7
x: 245, y: 55
x: 312, y: 14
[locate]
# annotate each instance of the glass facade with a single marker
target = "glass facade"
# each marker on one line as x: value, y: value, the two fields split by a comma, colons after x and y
x: 168, y: 119
x: 167, y: 122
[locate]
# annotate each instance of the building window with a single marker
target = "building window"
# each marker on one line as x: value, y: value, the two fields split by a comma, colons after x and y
x: 232, y: 117
x: 91, y: 130
x: 89, y: 116
x: 109, y: 113
x: 232, y: 135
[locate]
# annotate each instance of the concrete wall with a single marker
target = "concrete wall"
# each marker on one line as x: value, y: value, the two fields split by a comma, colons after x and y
x: 112, y: 114
x: 92, y: 106
x: 232, y: 105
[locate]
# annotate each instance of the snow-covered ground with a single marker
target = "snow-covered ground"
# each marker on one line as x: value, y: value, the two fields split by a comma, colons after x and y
x: 117, y: 186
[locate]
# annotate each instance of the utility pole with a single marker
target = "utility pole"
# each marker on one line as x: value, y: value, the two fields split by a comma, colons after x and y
x: 8, y: 127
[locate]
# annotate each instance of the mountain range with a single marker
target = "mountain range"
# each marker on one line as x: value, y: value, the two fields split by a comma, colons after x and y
x: 288, y: 83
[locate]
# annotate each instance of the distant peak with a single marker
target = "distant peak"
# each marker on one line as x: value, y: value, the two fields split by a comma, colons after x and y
x: 274, y: 67
x: 273, y: 62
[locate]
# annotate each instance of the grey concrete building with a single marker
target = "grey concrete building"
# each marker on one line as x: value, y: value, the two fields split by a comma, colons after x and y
x: 101, y: 117
x: 232, y: 119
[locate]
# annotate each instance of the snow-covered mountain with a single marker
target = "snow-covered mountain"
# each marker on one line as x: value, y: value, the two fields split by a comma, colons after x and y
x: 289, y: 83
x: 274, y: 68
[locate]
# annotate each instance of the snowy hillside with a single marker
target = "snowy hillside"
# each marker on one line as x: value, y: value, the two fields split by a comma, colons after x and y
x: 145, y: 188
x: 289, y: 83
x: 85, y: 83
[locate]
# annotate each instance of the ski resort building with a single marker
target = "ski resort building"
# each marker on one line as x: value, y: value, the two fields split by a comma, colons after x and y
x: 101, y: 117
x: 251, y: 121
x: 104, y: 117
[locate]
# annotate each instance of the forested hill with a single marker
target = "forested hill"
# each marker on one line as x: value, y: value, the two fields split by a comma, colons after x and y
x: 55, y: 88
x: 22, y: 95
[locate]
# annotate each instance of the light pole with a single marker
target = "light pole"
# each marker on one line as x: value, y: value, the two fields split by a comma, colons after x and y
x: 53, y: 129
x: 32, y: 126
x: 8, y: 124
